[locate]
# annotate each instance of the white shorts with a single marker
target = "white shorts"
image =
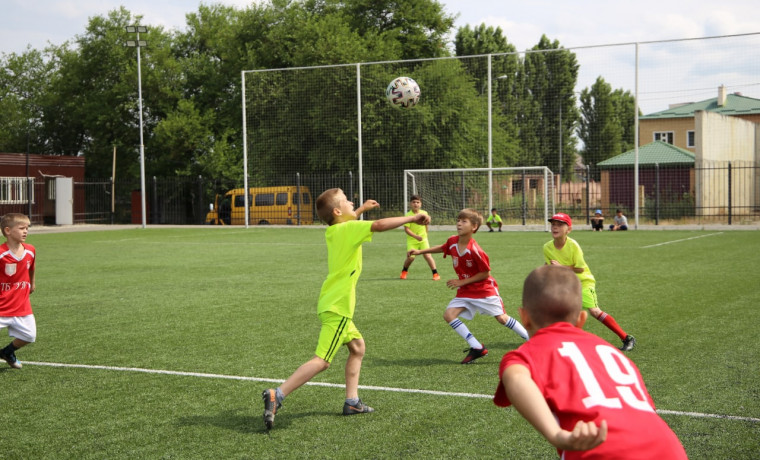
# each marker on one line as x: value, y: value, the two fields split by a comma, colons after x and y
x: 20, y: 327
x: 491, y: 306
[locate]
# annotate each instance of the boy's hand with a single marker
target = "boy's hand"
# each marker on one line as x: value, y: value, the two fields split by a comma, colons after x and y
x: 421, y: 219
x: 370, y: 204
x: 413, y: 252
x: 454, y: 283
x: 418, y: 237
x: 585, y: 436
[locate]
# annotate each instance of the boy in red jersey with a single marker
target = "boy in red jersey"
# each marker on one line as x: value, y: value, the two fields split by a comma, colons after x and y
x: 477, y: 291
x: 16, y: 283
x: 582, y: 394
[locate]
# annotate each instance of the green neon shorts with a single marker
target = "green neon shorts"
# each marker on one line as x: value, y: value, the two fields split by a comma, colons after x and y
x: 336, y: 330
x: 589, y: 297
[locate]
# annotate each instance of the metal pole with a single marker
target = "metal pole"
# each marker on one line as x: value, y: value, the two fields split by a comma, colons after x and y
x: 359, y: 131
x: 245, y: 155
x: 298, y: 193
x: 142, y: 146
x: 730, y: 213
x: 657, y: 194
x: 524, y: 206
x: 490, y: 138
x: 588, y: 194
x: 636, y: 144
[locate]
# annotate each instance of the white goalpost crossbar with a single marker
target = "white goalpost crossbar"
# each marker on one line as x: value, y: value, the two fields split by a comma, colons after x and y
x: 448, y: 190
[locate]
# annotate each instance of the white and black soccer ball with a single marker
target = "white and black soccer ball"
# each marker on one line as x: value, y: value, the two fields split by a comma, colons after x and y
x: 403, y: 93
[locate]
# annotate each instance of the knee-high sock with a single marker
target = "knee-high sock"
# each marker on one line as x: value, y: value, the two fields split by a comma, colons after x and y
x: 462, y: 330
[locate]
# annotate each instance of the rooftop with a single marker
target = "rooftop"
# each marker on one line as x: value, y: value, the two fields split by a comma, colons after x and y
x: 657, y: 152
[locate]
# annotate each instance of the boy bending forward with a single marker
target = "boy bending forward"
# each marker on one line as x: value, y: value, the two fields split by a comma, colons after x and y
x: 582, y: 394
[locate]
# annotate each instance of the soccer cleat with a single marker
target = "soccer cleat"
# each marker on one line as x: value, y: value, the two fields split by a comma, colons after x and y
x: 403, y: 275
x: 474, y: 353
x: 628, y: 343
x: 270, y: 406
x: 490, y: 230
x: 436, y: 277
x: 359, y: 408
x: 10, y: 358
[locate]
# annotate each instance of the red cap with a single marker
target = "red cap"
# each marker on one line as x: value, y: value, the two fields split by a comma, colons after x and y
x: 562, y: 217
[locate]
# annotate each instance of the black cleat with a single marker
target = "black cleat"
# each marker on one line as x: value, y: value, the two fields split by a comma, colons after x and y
x: 628, y: 343
x: 474, y: 353
x: 270, y: 406
x: 359, y: 408
x: 10, y: 358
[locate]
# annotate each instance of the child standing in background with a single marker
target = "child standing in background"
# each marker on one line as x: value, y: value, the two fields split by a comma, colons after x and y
x: 417, y: 238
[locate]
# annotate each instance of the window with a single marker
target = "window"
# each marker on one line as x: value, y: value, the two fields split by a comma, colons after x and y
x: 240, y: 201
x: 690, y: 139
x: 305, y: 198
x: 282, y: 199
x: 265, y: 199
x: 16, y: 190
x: 664, y: 136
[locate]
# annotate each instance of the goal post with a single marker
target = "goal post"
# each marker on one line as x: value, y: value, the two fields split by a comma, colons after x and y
x: 522, y: 195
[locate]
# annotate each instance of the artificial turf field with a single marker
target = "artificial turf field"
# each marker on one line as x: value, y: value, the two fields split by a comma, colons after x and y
x: 157, y: 343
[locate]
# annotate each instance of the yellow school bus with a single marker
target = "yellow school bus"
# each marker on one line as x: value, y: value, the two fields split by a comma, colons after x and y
x: 279, y: 205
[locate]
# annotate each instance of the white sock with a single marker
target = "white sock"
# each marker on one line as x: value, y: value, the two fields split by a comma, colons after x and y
x: 517, y: 327
x: 462, y: 330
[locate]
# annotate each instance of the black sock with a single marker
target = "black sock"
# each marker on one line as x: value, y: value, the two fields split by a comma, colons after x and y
x: 405, y: 269
x: 10, y: 348
x: 435, y: 271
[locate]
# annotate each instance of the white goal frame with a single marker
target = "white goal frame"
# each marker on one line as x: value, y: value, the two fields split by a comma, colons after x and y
x: 549, y: 209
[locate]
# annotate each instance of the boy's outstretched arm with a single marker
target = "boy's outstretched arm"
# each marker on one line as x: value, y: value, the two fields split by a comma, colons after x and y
x: 389, y: 223
x: 530, y: 403
x: 431, y: 250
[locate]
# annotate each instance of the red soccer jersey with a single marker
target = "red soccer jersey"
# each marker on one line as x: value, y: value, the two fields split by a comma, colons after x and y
x: 582, y: 377
x: 15, y: 282
x: 468, y: 264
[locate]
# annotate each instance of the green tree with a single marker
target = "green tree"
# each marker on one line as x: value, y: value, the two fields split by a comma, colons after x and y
x: 549, y: 114
x: 24, y: 83
x: 599, y: 128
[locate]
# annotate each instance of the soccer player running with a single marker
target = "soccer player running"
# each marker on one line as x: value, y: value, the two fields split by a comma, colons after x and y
x: 337, y: 299
x: 583, y: 395
x: 566, y: 252
x: 477, y: 290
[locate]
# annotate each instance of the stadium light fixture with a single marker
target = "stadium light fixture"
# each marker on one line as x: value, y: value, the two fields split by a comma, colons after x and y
x: 139, y: 44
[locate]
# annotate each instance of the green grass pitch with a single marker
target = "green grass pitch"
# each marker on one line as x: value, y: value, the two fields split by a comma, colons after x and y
x: 197, y: 305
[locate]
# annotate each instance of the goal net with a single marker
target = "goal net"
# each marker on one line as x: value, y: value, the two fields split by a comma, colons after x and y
x: 522, y: 195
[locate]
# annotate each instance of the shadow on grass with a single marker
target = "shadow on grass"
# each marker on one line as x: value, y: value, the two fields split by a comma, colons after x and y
x: 250, y: 423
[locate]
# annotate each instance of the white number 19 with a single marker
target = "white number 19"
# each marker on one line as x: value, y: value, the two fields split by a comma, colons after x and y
x: 629, y: 387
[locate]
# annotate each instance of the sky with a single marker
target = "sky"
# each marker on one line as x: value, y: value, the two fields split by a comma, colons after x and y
x: 575, y: 24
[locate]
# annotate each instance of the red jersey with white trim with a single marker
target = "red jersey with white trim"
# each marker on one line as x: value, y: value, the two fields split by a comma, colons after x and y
x: 468, y: 264
x: 582, y: 377
x: 15, y: 282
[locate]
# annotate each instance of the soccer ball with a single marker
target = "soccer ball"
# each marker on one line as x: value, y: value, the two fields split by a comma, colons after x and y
x: 403, y: 93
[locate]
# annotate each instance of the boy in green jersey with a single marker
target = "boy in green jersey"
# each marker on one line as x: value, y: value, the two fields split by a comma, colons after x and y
x: 416, y: 238
x: 566, y: 252
x: 494, y: 220
x: 337, y: 299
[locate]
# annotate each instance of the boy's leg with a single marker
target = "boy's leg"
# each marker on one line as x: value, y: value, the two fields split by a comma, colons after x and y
x: 477, y: 349
x: 513, y: 324
x: 431, y: 264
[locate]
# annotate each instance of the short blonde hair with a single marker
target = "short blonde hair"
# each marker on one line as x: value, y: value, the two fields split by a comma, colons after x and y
x: 327, y: 201
x: 552, y: 294
x: 473, y: 216
x: 12, y: 219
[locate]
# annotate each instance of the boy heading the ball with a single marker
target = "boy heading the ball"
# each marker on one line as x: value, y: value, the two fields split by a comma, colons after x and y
x: 337, y: 299
x: 582, y: 394
x: 566, y: 252
x: 477, y: 290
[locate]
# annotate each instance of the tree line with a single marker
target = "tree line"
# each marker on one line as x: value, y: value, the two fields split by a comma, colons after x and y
x: 80, y: 98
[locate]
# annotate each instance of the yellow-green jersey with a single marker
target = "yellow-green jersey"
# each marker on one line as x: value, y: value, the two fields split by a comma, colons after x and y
x: 344, y: 266
x: 417, y: 229
x: 493, y: 218
x: 571, y: 254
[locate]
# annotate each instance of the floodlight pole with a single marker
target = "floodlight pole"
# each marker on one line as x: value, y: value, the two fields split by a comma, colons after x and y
x: 138, y: 44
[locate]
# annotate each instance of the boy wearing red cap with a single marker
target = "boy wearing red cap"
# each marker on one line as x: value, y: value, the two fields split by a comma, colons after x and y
x: 566, y: 252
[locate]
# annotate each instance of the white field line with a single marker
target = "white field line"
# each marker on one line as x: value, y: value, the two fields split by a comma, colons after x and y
x: 336, y: 385
x: 678, y: 241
